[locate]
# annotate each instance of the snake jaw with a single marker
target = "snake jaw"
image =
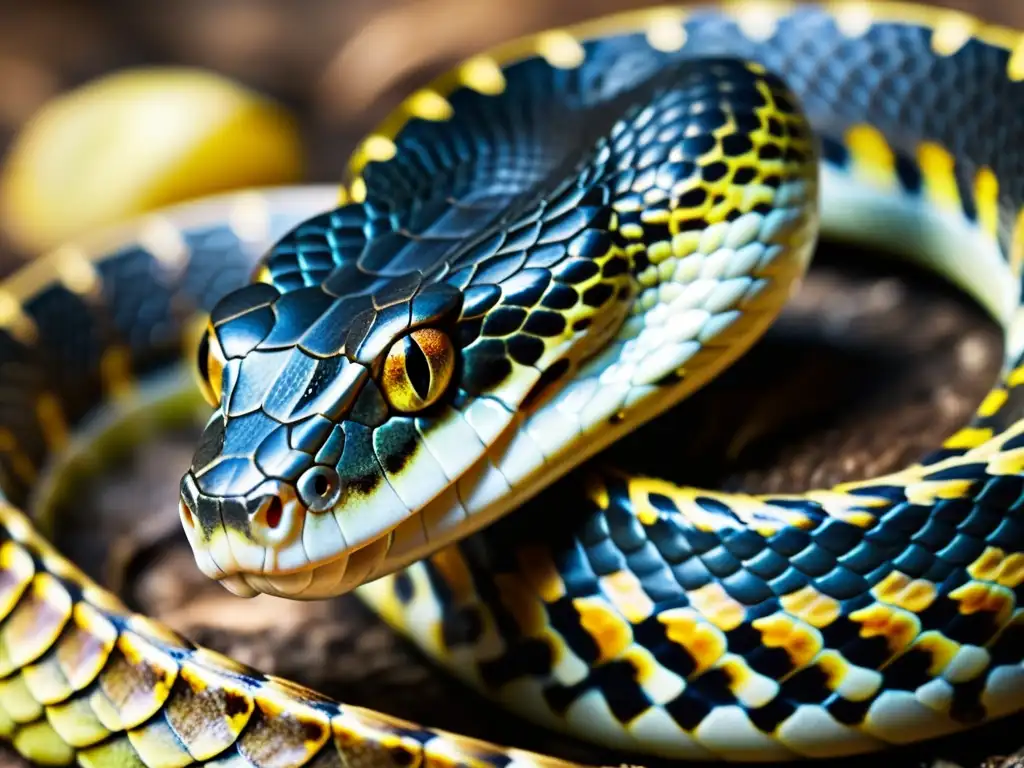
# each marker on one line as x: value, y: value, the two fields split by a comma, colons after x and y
x: 340, y: 575
x: 238, y: 586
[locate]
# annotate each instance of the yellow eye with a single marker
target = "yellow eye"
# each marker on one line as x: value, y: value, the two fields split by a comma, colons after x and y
x: 418, y: 369
x: 210, y: 362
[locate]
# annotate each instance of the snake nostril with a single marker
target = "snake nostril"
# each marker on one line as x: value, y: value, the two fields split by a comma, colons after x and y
x: 186, y: 514
x: 275, y: 511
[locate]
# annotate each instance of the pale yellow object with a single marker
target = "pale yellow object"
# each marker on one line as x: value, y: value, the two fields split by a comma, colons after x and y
x: 133, y: 141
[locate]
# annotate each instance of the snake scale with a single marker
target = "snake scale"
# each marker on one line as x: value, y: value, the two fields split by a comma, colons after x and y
x: 534, y: 254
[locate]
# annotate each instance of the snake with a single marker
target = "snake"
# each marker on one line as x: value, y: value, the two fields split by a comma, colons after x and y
x: 413, y: 376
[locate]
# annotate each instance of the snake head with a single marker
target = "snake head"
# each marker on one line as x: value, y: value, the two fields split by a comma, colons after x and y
x: 407, y: 369
x: 317, y: 447
x: 363, y: 420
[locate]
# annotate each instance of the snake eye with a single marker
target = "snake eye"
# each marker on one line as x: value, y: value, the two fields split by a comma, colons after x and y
x: 319, y: 488
x: 210, y: 364
x: 418, y: 369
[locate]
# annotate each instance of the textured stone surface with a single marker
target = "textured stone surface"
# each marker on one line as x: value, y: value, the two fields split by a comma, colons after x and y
x: 869, y: 366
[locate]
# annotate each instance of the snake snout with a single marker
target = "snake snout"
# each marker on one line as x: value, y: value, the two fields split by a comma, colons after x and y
x: 267, y: 543
x: 243, y: 534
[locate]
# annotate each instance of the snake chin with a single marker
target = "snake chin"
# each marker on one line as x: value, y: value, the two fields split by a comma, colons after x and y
x: 328, y: 579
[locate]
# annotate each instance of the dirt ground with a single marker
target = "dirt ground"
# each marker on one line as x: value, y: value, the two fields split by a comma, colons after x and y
x: 870, y: 366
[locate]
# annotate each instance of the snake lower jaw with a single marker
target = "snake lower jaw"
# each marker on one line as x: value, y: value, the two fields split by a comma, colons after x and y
x: 320, y: 581
x: 238, y: 586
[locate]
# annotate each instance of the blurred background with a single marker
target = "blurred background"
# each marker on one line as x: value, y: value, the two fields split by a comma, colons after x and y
x: 871, y: 365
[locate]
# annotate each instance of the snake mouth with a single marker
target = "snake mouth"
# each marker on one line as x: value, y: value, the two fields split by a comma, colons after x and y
x: 327, y: 579
x: 274, y: 542
x: 309, y: 581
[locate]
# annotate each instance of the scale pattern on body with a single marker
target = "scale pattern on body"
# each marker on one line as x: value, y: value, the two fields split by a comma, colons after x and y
x: 535, y: 254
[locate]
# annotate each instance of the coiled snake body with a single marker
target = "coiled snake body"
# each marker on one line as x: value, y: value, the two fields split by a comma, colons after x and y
x: 541, y: 250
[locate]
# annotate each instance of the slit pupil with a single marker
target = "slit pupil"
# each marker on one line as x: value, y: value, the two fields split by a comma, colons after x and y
x: 417, y: 369
x: 204, y: 357
x: 274, y: 513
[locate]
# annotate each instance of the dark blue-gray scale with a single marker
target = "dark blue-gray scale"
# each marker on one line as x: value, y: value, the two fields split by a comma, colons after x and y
x: 892, y: 79
x: 144, y: 320
x: 219, y: 264
x: 149, y: 319
x: 74, y: 332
